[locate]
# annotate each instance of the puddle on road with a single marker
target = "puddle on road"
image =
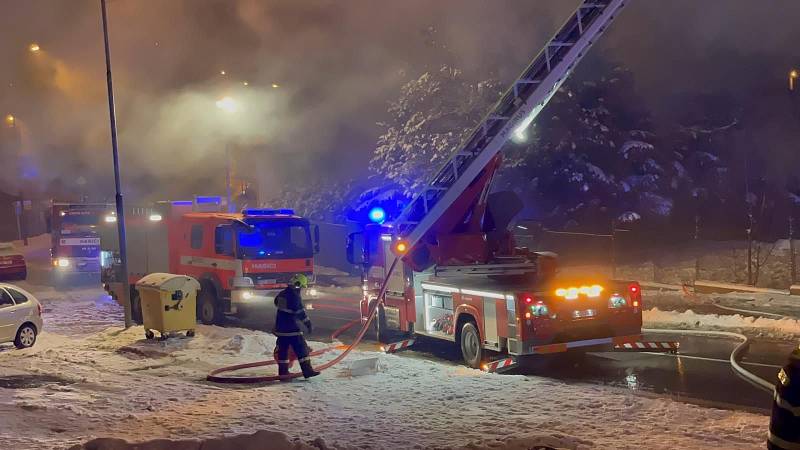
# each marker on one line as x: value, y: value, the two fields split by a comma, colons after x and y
x: 31, y: 381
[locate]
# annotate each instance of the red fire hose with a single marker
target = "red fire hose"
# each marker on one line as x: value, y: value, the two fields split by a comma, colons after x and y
x: 215, y: 376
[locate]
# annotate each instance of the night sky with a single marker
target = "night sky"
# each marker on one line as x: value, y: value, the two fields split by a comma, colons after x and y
x: 336, y: 64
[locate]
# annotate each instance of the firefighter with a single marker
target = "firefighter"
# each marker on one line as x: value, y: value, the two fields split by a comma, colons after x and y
x: 290, y: 313
x: 784, y: 425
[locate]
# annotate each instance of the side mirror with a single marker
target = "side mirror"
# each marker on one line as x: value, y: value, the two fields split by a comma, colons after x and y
x: 316, y: 238
x: 355, y: 248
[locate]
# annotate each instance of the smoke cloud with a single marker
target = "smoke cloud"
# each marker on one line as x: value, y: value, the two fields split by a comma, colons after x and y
x: 335, y: 65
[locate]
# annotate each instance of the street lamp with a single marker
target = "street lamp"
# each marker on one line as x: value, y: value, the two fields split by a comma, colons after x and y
x: 794, y: 74
x: 34, y: 48
x: 227, y: 104
x: 11, y: 120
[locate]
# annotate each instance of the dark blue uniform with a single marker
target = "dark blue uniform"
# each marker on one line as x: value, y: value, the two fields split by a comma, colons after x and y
x: 290, y: 314
x: 784, y: 425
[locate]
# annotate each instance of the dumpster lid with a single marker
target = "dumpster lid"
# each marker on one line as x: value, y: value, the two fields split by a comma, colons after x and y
x: 168, y: 282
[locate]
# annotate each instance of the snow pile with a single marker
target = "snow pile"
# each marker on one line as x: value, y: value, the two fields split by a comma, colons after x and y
x: 119, y: 385
x: 655, y: 318
x: 263, y: 439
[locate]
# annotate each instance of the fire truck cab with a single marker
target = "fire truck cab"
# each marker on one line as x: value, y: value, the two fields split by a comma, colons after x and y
x: 240, y: 259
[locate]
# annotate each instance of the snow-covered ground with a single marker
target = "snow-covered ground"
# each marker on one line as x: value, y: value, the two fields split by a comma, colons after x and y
x: 110, y: 382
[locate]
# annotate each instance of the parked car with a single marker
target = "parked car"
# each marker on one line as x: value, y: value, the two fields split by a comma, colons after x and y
x: 20, y: 316
x: 12, y: 263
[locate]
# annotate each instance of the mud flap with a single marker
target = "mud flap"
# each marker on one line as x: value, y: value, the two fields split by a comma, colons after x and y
x: 499, y: 366
x: 397, y: 346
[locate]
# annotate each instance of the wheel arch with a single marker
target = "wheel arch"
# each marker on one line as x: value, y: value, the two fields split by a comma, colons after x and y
x: 464, y: 314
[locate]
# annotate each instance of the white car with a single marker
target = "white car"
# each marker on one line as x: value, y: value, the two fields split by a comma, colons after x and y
x: 20, y: 316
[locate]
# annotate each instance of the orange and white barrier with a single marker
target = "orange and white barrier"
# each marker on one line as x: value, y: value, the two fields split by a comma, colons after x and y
x: 396, y: 346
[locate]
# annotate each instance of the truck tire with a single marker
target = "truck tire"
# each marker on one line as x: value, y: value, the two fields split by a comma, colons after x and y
x: 208, y: 307
x: 471, y: 348
x: 136, y: 307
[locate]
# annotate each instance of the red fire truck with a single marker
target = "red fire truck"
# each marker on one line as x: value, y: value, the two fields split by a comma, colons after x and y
x: 75, y: 238
x: 240, y: 259
x: 450, y: 265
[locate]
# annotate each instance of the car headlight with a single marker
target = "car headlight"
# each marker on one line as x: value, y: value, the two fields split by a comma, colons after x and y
x: 247, y: 295
x: 63, y: 262
x: 312, y: 292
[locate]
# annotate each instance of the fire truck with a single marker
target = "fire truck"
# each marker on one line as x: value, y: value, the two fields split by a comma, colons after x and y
x: 75, y: 238
x: 448, y: 268
x: 240, y: 259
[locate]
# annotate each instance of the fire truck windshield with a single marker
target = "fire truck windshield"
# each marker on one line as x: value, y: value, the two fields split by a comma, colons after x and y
x: 80, y: 219
x: 273, y: 239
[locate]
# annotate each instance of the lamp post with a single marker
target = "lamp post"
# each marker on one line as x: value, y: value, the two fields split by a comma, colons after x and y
x: 123, y: 253
x: 794, y: 74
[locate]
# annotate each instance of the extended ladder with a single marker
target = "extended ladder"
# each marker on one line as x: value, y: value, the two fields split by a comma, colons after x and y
x: 517, y: 108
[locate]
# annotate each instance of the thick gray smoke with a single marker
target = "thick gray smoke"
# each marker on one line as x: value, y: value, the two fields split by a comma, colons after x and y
x: 335, y: 65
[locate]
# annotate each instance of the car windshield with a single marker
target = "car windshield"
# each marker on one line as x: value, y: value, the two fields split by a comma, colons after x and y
x: 271, y: 239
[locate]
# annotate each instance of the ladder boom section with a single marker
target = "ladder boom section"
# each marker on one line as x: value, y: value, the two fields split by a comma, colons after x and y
x: 515, y: 110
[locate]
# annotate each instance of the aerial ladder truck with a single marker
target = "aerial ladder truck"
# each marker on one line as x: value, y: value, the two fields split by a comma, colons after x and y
x: 447, y: 267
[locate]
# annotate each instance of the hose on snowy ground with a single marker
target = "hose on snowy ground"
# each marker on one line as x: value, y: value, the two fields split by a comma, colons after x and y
x: 748, y: 376
x: 216, y: 377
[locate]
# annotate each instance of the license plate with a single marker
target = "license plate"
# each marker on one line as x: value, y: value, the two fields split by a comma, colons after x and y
x: 583, y: 313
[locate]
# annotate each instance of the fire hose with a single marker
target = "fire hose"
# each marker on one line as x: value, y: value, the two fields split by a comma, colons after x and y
x: 217, y: 377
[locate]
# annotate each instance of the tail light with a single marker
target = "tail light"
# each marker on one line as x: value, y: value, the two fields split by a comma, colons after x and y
x: 635, y: 291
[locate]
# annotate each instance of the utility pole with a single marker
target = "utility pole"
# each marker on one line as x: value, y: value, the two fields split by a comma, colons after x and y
x: 123, y: 254
x: 792, y: 257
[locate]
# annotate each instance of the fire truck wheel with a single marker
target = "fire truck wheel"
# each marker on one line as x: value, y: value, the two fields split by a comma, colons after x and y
x: 471, y: 349
x: 207, y: 310
x: 136, y: 307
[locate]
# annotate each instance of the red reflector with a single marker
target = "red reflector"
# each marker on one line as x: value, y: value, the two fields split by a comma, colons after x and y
x: 634, y: 288
x: 528, y: 300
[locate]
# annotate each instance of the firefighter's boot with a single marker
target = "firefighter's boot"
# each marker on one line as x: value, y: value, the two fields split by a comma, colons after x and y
x: 308, y: 371
x: 283, y: 371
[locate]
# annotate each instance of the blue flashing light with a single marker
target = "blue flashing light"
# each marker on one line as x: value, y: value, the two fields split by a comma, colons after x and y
x: 205, y: 200
x: 286, y: 211
x: 182, y: 203
x: 377, y: 214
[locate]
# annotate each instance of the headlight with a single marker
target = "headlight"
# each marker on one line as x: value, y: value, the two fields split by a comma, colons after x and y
x: 110, y: 218
x: 312, y: 292
x: 617, y: 301
x: 63, y: 262
x: 247, y: 295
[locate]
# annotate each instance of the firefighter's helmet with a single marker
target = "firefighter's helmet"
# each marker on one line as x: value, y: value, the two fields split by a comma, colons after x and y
x: 299, y: 280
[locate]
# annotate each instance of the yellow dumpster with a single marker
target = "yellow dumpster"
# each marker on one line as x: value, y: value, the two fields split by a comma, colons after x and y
x: 168, y: 303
